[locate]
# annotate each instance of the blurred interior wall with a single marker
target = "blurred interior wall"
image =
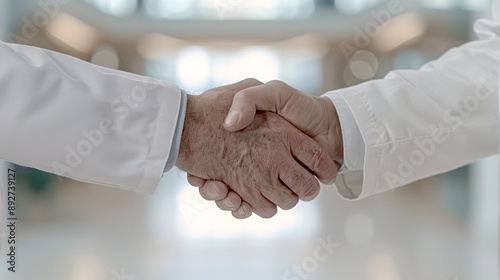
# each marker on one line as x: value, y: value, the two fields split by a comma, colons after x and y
x: 3, y: 19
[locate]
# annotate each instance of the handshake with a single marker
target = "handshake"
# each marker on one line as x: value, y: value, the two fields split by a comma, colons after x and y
x: 253, y: 147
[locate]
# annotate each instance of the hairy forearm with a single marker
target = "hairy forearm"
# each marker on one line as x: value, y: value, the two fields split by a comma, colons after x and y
x: 203, y: 137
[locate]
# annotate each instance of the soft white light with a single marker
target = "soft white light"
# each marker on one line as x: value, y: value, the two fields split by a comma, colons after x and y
x: 199, y: 219
x: 193, y: 68
x: 117, y: 8
x: 256, y: 9
x: 230, y: 9
x: 256, y: 62
x: 169, y: 8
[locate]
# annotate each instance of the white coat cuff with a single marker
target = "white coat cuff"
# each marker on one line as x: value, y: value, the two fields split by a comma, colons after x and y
x: 164, y: 139
x: 176, y: 141
x: 354, y: 146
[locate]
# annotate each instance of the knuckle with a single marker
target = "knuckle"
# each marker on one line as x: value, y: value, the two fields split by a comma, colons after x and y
x: 252, y: 81
x: 320, y: 160
x: 323, y: 166
x: 316, y: 159
x: 242, y: 96
x: 277, y: 83
x: 297, y: 178
x: 282, y: 196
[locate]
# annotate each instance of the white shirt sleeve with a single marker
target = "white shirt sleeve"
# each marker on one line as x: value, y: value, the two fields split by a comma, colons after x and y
x: 78, y: 120
x: 415, y: 124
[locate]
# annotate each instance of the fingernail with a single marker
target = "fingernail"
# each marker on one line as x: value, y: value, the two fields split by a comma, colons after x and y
x: 212, y: 191
x: 232, y: 118
x: 229, y: 203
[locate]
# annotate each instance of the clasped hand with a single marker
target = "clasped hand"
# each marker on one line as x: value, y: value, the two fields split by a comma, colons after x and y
x: 257, y: 161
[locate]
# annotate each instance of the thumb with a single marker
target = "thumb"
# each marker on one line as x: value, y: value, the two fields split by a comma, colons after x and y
x: 241, y: 113
x: 248, y: 101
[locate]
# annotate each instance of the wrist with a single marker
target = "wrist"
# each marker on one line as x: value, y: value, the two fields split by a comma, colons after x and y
x: 335, y: 143
x: 187, y: 131
x: 202, y: 133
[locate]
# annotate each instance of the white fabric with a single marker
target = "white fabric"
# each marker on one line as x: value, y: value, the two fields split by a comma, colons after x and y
x: 55, y: 113
x: 351, y: 136
x: 416, y: 124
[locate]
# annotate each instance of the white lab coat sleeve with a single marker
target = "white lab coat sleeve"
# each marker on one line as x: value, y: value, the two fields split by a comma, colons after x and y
x: 416, y: 124
x: 353, y: 143
x: 78, y: 120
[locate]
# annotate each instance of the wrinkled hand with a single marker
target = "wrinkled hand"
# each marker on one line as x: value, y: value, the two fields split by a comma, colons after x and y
x: 265, y: 163
x: 315, y: 116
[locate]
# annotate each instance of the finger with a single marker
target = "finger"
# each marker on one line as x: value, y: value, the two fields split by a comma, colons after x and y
x: 252, y: 195
x: 245, y: 211
x: 299, y: 180
x: 271, y: 96
x: 312, y: 156
x: 282, y: 196
x: 264, y: 208
x: 214, y: 190
x: 230, y: 203
x: 195, y: 181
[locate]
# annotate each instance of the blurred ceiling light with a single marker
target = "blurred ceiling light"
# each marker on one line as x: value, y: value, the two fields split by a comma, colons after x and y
x: 231, y: 61
x: 260, y: 63
x: 193, y: 68
x: 403, y: 30
x: 230, y: 9
x: 106, y: 56
x: 168, y: 8
x: 156, y: 45
x: 354, y: 6
x: 69, y: 31
x: 118, y: 8
x: 256, y: 9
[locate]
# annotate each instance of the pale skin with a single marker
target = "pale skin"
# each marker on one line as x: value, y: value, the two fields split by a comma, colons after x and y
x: 268, y: 164
x: 314, y: 116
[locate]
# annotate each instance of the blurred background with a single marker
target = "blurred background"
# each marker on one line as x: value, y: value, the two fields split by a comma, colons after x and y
x: 441, y: 228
